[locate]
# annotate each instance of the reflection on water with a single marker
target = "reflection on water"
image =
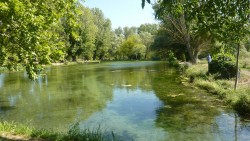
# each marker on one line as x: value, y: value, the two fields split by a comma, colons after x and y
x: 137, y: 100
x: 130, y: 114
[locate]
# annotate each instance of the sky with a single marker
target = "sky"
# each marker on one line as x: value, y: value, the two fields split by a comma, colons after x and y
x: 124, y: 12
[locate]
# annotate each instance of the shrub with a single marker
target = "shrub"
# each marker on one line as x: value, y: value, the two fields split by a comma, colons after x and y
x: 242, y: 106
x: 172, y: 60
x: 223, y: 65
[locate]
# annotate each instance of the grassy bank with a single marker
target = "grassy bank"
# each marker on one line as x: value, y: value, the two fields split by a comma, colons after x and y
x: 196, y: 76
x: 14, y: 131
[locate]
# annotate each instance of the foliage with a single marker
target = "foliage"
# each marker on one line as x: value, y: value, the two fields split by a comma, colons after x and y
x: 87, y: 33
x: 27, y: 34
x: 132, y: 48
x: 164, y: 42
x: 245, y: 55
x: 172, y: 60
x: 143, y: 3
x: 242, y: 106
x: 223, y: 65
x: 36, y: 33
x: 161, y: 44
x: 239, y: 100
x: 150, y: 28
x: 205, y: 20
x: 71, y: 30
x: 103, y: 35
x: 144, y: 38
x: 182, y: 30
x: 232, y: 25
x: 147, y: 40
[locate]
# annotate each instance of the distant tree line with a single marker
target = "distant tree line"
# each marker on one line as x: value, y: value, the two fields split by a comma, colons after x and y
x: 36, y: 33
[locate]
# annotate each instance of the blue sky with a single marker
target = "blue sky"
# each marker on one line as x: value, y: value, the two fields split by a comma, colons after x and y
x: 124, y: 12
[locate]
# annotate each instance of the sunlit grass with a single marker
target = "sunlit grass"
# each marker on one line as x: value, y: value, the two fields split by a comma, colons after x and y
x: 12, y: 127
x: 15, y: 131
x: 244, y: 59
x: 239, y: 100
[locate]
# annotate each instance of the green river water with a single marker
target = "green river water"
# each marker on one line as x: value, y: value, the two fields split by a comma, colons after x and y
x: 140, y: 101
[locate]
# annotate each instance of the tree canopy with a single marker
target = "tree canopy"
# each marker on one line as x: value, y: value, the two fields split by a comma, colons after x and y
x: 36, y: 33
x: 221, y: 20
x: 27, y: 32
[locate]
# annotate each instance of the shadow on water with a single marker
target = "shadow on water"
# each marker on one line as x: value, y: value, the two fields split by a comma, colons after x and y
x: 55, y: 100
x: 191, y: 114
x: 6, y: 108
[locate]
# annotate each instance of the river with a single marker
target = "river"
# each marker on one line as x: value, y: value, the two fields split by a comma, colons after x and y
x: 141, y: 101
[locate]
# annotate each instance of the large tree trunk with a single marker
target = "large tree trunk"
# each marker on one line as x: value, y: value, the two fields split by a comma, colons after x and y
x: 74, y: 58
x: 193, y: 59
x: 187, y: 39
x: 196, y: 53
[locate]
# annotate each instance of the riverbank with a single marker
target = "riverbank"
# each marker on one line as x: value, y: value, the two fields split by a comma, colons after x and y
x: 196, y: 76
x: 13, y: 131
x: 79, y: 61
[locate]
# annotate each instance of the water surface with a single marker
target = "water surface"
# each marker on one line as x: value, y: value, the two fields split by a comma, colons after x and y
x: 141, y: 101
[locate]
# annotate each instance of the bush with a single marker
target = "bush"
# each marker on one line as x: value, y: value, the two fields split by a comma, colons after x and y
x: 172, y: 60
x: 224, y: 65
x: 242, y: 106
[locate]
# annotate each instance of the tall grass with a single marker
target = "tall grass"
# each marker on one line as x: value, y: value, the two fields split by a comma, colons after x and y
x: 14, y: 128
x: 8, y: 131
x: 77, y: 134
x: 244, y: 59
x: 239, y: 100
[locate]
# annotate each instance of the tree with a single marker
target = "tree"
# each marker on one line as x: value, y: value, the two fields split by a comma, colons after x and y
x: 178, y: 22
x: 104, y: 34
x: 147, y: 33
x: 71, y: 26
x: 26, y: 34
x: 118, y: 39
x: 228, y: 21
x: 129, y: 31
x: 147, y: 40
x: 150, y: 28
x: 88, y: 31
x: 132, y: 48
x: 119, y: 31
x: 225, y: 20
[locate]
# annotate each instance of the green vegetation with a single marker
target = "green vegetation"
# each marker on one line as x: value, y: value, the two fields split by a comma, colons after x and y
x: 14, y: 131
x: 196, y: 24
x: 192, y: 29
x: 223, y: 65
x: 37, y: 33
x: 197, y: 76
